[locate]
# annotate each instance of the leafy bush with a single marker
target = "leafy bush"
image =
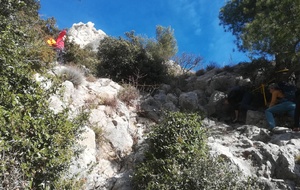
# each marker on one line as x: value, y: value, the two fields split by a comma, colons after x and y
x: 36, y: 145
x: 81, y: 56
x: 178, y: 158
x: 134, y: 57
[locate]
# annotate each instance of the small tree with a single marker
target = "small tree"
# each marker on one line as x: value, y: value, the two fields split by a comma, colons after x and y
x: 165, y: 45
x: 265, y: 28
x: 188, y: 62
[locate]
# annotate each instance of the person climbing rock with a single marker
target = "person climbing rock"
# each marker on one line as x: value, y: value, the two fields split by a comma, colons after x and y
x: 58, y: 45
x: 239, y: 100
x: 278, y: 105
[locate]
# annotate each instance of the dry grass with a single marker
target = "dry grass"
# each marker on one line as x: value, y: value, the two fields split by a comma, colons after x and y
x: 297, y: 159
x: 129, y: 94
x: 110, y: 101
x: 91, y: 78
x: 72, y: 74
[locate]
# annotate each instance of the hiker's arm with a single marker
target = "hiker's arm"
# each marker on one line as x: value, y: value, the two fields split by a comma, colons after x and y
x: 274, y: 98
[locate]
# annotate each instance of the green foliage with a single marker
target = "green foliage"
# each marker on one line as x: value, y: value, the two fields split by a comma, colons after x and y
x: 173, y: 145
x: 165, y: 45
x: 81, y: 56
x: 178, y: 158
x: 118, y: 58
x: 265, y: 27
x: 179, y: 133
x: 262, y: 66
x: 36, y: 144
x: 135, y: 57
x: 22, y: 18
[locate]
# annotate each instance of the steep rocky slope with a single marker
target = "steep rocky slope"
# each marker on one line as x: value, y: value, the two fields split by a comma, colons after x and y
x: 113, y: 140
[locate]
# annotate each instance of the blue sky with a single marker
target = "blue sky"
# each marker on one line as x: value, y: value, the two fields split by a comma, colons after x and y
x: 195, y: 22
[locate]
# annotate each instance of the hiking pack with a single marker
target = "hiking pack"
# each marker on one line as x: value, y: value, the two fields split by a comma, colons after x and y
x: 288, y: 90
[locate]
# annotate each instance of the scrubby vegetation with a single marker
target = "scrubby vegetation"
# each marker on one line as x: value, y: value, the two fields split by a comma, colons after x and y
x: 129, y: 94
x: 178, y: 158
x: 36, y: 144
x: 261, y: 28
x: 81, y: 57
x: 136, y: 57
x: 72, y: 74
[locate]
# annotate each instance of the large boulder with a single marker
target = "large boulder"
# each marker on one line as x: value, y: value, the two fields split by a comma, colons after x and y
x: 188, y: 101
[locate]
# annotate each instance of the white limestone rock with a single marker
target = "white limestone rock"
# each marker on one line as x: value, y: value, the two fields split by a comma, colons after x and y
x: 86, y: 35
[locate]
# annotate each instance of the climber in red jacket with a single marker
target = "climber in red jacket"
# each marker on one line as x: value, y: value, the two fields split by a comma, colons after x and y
x: 60, y: 45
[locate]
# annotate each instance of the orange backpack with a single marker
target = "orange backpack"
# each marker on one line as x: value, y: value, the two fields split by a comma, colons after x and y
x: 51, y: 42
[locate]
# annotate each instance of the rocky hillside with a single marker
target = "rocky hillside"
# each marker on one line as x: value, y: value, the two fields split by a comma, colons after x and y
x: 114, y: 138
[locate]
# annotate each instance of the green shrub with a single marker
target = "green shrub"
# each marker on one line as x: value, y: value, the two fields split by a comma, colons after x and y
x: 173, y: 145
x: 178, y: 158
x: 81, y: 56
x: 36, y: 145
x: 136, y: 58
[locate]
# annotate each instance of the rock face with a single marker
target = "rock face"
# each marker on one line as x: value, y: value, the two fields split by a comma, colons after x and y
x: 114, y: 140
x: 86, y: 35
x: 255, y: 152
x: 108, y: 141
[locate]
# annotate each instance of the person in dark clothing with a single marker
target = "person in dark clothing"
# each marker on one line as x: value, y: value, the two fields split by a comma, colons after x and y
x: 297, y: 111
x: 240, y: 101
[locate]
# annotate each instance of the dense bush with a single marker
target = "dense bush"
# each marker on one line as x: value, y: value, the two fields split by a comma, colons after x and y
x: 135, y: 57
x: 81, y: 56
x: 36, y: 145
x: 178, y: 158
